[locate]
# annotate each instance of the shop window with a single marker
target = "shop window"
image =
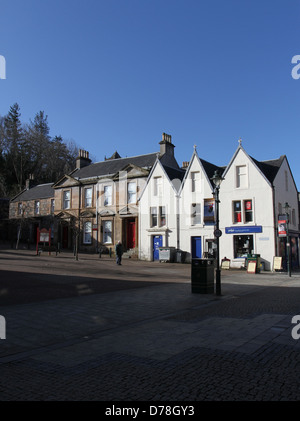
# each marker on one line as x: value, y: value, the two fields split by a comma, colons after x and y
x: 237, y: 211
x: 87, y: 233
x: 88, y: 197
x: 195, y: 214
x: 107, y: 232
x: 243, y: 245
x: 248, y: 210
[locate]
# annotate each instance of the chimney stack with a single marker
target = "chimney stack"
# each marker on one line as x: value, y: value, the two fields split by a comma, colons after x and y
x: 29, y: 181
x: 83, y: 159
x: 166, y: 145
x: 185, y: 164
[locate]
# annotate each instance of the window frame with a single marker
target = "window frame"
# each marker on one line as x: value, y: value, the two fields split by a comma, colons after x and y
x: 66, y: 200
x: 131, y: 196
x: 88, y: 199
x: 37, y: 207
x: 107, y: 198
x: 244, y: 183
x: 195, y: 178
x: 87, y: 234
x: 196, y: 216
x: 106, y: 232
x: 157, y: 187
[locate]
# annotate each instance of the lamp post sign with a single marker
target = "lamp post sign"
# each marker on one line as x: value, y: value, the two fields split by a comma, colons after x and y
x: 217, y: 179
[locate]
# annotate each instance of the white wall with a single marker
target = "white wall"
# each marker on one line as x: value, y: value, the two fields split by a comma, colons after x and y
x: 168, y: 199
x: 187, y: 197
x: 259, y: 190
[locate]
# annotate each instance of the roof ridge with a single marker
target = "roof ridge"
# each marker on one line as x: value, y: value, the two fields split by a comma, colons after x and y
x: 125, y: 157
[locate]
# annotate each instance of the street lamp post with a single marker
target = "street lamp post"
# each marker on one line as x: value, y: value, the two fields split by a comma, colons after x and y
x: 217, y: 180
x: 288, y: 248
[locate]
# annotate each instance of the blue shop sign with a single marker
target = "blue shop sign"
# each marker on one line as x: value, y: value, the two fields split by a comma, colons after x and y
x: 243, y: 230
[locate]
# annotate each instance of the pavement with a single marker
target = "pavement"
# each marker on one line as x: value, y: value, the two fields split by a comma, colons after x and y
x: 90, y: 330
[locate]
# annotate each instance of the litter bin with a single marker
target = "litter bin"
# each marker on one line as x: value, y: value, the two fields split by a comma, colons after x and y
x: 166, y: 254
x: 202, y: 276
x: 180, y: 256
x: 254, y: 258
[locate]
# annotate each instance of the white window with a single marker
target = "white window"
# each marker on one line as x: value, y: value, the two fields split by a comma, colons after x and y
x: 195, y: 214
x: 248, y: 210
x: 107, y: 232
x: 66, y: 199
x: 87, y: 233
x: 88, y: 197
x: 241, y: 176
x: 37, y: 207
x: 20, y: 208
x: 131, y: 192
x: 107, y: 195
x: 153, y: 216
x: 237, y: 211
x: 158, y: 218
x: 195, y: 177
x: 242, y: 213
x: 52, y: 205
x: 157, y: 191
x: 162, y: 216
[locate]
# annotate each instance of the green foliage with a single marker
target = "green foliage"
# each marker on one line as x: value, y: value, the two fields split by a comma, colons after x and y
x: 28, y: 149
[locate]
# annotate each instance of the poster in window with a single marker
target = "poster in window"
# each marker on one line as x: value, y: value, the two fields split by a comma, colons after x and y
x: 209, y: 210
x: 282, y: 228
x: 248, y: 205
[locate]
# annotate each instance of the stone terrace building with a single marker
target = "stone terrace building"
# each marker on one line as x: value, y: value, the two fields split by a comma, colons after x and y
x: 97, y: 204
x: 31, y: 209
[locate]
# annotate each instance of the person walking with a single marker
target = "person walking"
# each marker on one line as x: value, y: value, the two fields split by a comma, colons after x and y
x: 119, y: 252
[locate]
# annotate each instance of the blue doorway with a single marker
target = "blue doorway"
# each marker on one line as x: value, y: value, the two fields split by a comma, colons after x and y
x: 196, y: 247
x: 157, y: 242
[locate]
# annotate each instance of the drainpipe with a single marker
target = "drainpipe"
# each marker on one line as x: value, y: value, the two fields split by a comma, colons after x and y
x: 274, y: 221
x: 97, y: 218
x: 177, y: 222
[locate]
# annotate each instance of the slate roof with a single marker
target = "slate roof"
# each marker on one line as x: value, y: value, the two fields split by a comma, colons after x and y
x: 269, y: 168
x: 41, y: 191
x: 174, y: 173
x: 113, y: 166
x: 211, y: 168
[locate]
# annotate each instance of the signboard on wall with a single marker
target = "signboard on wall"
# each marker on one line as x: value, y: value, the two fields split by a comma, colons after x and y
x: 209, y: 210
x: 243, y: 230
x: 282, y: 226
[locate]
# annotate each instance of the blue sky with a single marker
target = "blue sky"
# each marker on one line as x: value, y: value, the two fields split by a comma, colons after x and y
x: 115, y: 74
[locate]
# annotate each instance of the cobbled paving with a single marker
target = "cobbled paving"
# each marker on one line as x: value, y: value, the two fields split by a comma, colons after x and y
x: 155, y: 347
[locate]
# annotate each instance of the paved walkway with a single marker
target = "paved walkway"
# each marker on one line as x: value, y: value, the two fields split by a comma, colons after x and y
x: 91, y: 330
